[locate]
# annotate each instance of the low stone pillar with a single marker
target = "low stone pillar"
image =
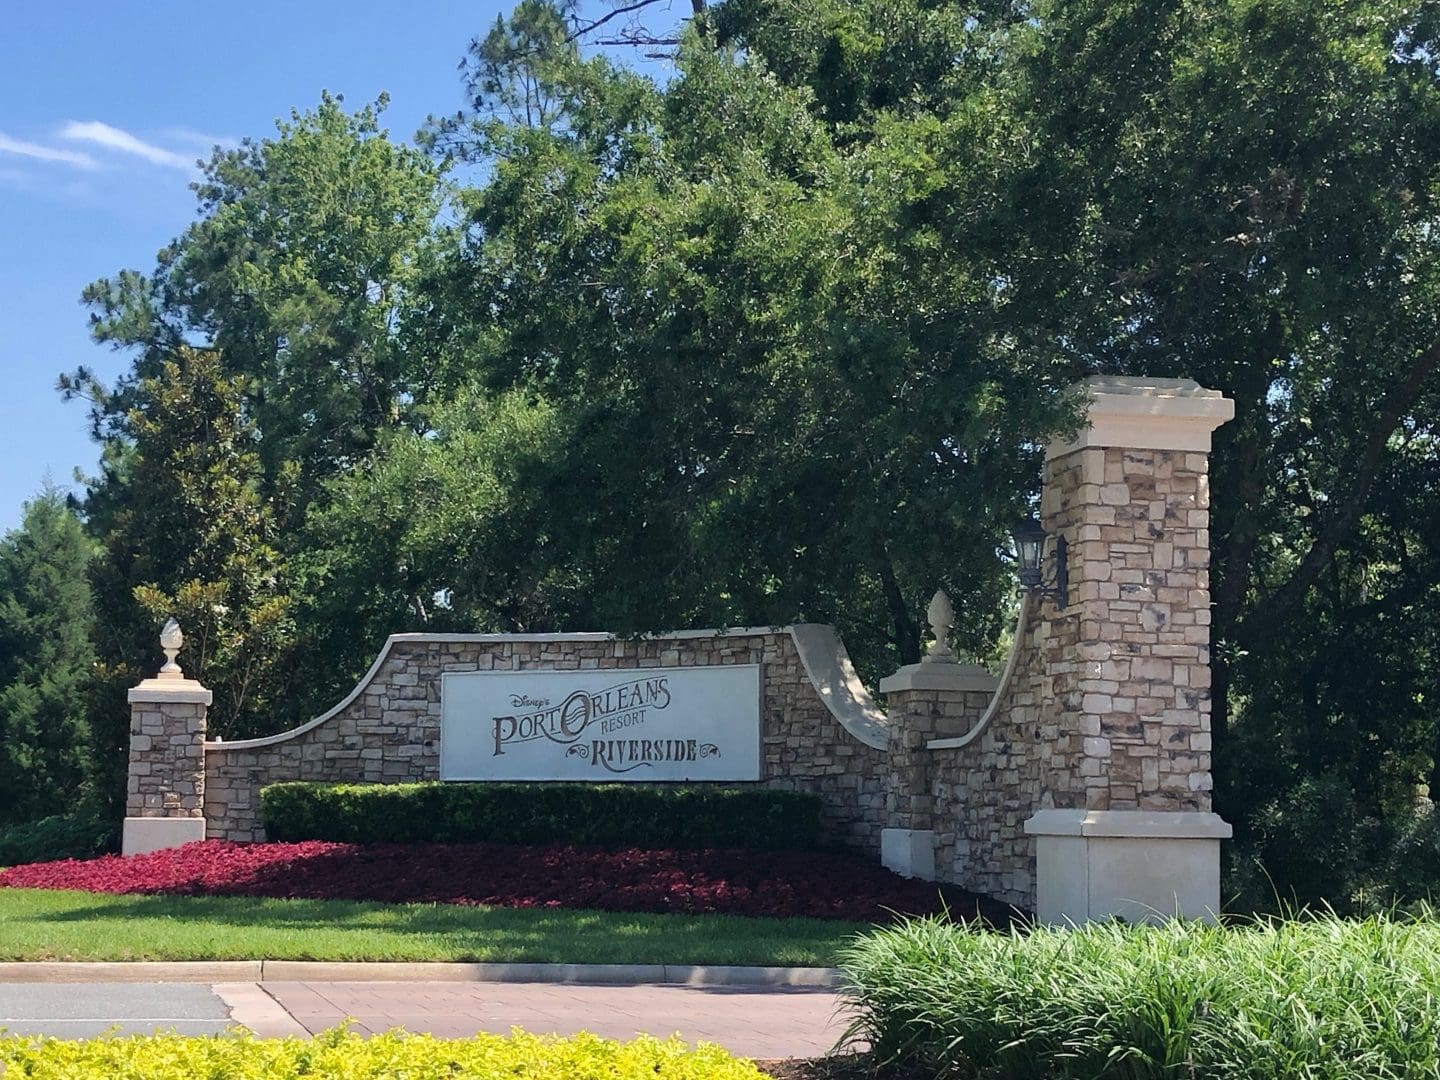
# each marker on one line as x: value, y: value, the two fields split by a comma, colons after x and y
x: 165, y: 794
x: 1124, y: 825
x: 936, y: 698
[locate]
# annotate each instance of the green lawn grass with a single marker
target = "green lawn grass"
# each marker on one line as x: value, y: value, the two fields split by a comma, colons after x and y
x: 43, y: 924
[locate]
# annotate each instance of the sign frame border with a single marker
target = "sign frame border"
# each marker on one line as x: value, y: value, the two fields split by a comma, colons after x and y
x: 758, y: 667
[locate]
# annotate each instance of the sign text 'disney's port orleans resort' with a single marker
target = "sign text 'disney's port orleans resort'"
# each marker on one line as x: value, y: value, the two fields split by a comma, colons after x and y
x: 692, y: 723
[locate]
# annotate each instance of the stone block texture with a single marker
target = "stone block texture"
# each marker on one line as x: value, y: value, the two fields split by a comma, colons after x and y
x: 390, y: 732
x: 916, y: 717
x: 1109, y: 705
x: 167, y: 761
x: 1108, y: 708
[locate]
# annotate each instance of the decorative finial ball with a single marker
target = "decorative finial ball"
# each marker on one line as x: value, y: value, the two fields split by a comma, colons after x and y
x: 941, y: 612
x: 171, y: 636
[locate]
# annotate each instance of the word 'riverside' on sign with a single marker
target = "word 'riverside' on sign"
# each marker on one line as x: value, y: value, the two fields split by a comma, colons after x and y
x: 693, y: 723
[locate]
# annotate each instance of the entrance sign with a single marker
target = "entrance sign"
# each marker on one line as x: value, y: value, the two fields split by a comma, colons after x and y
x: 647, y: 724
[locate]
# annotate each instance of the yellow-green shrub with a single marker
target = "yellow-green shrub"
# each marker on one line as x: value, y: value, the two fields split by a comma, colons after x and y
x: 343, y: 1055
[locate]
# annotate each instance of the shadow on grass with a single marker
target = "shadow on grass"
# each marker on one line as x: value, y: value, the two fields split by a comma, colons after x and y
x: 302, y: 914
x: 38, y: 924
x: 474, y: 903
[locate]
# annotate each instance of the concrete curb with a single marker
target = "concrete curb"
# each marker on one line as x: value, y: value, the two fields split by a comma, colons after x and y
x: 207, y: 971
x: 261, y: 971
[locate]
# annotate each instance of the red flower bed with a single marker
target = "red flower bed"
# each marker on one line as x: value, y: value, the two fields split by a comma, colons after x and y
x: 728, y: 882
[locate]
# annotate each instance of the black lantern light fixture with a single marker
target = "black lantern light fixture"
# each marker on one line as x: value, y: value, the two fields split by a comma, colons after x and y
x: 1029, y: 537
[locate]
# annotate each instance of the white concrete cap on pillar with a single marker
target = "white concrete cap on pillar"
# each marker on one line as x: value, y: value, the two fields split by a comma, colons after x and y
x: 923, y: 676
x: 1144, y: 866
x: 180, y: 691
x: 1147, y: 414
x: 939, y: 668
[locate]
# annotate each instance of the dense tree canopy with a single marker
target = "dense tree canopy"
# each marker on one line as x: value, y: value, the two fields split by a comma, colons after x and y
x: 778, y: 336
x: 300, y: 272
x: 46, y: 661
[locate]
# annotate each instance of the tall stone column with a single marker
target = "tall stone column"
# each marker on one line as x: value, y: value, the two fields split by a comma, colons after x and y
x: 937, y: 698
x: 1126, y: 826
x: 165, y: 793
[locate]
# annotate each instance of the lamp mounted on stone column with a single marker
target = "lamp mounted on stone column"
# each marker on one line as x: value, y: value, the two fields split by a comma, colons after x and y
x: 1029, y: 537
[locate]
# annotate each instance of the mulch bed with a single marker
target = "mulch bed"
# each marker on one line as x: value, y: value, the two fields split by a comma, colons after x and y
x: 779, y: 884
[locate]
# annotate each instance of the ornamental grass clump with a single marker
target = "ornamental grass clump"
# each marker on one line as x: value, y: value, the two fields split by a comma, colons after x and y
x: 1312, y: 998
x: 341, y: 1055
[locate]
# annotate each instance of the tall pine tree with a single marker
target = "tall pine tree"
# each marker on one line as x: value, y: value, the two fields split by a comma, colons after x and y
x: 46, y: 660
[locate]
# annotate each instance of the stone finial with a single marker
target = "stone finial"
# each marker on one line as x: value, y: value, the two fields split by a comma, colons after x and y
x: 172, y: 639
x: 941, y: 614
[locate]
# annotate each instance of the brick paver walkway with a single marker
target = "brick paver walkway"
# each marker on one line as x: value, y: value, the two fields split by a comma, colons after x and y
x: 749, y: 1021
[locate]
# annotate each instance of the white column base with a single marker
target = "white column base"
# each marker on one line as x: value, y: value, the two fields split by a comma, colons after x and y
x: 1140, y: 865
x: 908, y: 852
x: 142, y: 835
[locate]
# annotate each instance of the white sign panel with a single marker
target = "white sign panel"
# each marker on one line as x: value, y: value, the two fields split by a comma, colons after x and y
x: 694, y: 723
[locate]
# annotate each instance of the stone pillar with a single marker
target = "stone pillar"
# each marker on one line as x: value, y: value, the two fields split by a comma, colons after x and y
x: 1126, y: 826
x: 165, y: 797
x: 936, y: 698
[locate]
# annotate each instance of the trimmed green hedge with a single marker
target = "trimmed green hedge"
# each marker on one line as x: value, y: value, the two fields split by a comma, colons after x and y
x: 59, y: 837
x: 1315, y: 998
x: 593, y: 815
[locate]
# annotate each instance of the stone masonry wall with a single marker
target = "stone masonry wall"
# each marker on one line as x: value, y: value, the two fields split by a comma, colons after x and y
x: 1107, y: 709
x: 1109, y: 705
x: 166, y: 776
x: 917, y: 716
x: 390, y: 732
x: 1141, y: 563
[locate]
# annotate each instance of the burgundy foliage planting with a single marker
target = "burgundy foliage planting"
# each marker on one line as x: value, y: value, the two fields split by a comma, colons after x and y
x: 781, y: 884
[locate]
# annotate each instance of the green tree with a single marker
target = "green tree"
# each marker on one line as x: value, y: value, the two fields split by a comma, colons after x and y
x: 780, y: 400
x: 46, y: 661
x: 187, y: 532
x: 781, y: 337
x: 844, y: 267
x: 301, y: 272
x: 446, y: 530
x: 1247, y: 193
x: 293, y: 311
x: 1241, y: 192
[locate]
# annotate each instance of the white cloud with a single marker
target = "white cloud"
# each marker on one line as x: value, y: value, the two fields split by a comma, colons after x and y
x: 93, y: 131
x: 45, y: 153
x: 201, y: 140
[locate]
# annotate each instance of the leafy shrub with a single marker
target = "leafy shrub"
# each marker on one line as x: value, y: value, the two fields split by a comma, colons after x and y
x: 600, y: 815
x: 1308, y: 847
x: 342, y: 1055
x: 59, y: 837
x: 1323, y: 998
x: 1411, y: 871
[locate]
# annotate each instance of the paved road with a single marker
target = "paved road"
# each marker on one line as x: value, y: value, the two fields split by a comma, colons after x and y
x: 750, y: 1021
x: 77, y: 1010
x: 753, y: 1022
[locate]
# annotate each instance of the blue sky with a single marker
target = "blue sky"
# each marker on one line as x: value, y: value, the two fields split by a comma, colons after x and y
x: 102, y: 109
